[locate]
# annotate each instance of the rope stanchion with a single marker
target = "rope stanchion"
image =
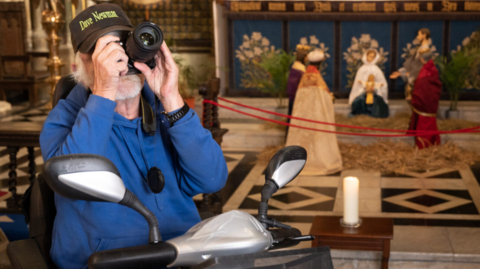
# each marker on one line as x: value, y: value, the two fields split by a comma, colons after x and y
x: 406, y: 133
x: 418, y: 132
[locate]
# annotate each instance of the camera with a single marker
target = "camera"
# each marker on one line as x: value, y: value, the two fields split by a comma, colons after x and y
x: 141, y: 45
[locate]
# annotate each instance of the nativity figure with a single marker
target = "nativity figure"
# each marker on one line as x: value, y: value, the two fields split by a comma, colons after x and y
x: 369, y: 98
x: 314, y: 101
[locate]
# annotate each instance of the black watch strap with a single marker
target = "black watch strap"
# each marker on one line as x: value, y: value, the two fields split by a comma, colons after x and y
x: 172, y: 118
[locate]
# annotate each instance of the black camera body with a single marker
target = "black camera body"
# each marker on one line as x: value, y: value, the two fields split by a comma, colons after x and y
x: 141, y: 45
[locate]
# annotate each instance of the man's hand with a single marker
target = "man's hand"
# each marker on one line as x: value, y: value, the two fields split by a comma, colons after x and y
x: 395, y: 75
x: 109, y: 63
x: 163, y: 79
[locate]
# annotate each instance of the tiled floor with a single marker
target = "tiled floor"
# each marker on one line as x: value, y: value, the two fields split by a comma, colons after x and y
x: 442, y: 198
x: 436, y: 213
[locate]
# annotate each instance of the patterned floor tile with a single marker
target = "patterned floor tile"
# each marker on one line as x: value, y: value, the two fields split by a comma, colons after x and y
x: 426, y: 201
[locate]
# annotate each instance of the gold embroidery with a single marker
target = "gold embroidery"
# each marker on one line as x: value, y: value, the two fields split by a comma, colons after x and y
x: 277, y: 6
x: 412, y: 7
x: 98, y: 16
x: 84, y: 24
x: 104, y: 15
x: 472, y: 6
x: 390, y: 7
x: 245, y: 6
x: 364, y: 7
x: 449, y: 6
x: 322, y: 7
x: 430, y: 6
x: 299, y: 6
x: 425, y: 114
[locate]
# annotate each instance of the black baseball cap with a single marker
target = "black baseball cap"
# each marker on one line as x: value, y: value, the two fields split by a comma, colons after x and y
x: 96, y: 21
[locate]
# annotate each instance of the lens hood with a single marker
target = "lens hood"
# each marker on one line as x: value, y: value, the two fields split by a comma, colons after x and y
x: 144, y: 42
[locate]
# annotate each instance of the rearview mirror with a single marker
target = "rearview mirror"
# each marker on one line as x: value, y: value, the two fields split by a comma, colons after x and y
x: 85, y: 177
x: 95, y: 178
x: 285, y: 165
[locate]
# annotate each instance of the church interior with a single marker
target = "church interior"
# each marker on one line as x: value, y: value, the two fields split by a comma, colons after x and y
x: 383, y: 96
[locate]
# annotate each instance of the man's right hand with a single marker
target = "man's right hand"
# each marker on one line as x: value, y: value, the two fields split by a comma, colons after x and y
x: 395, y: 75
x: 109, y: 63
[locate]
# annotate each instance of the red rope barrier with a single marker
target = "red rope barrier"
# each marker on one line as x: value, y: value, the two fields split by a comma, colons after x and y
x: 347, y: 126
x: 410, y: 133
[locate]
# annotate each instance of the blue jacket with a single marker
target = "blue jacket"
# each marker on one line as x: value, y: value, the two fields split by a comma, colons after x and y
x: 191, y: 161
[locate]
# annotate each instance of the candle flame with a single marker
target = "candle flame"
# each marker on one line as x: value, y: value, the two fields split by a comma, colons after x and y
x: 351, y: 178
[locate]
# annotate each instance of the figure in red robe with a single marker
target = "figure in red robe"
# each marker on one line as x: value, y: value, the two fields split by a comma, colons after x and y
x: 425, y: 99
x: 421, y: 74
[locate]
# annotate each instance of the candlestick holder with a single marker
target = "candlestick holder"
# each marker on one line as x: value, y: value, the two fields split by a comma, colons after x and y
x: 351, y: 225
x: 52, y: 22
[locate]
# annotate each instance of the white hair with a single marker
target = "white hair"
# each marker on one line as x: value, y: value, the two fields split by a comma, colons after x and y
x: 129, y: 86
x: 81, y: 75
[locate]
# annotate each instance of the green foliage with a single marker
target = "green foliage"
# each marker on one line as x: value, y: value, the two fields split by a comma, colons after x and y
x: 189, y: 78
x: 473, y: 45
x: 252, y: 73
x: 455, y: 73
x: 277, y: 65
x: 269, y: 73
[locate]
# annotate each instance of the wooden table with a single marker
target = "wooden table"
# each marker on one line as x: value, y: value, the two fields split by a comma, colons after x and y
x: 15, y: 135
x: 374, y: 234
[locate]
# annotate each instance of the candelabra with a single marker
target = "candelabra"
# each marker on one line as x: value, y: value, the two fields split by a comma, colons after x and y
x: 52, y: 22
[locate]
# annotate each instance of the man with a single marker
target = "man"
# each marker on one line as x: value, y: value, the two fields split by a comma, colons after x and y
x: 122, y: 120
x: 423, y: 90
x: 411, y: 66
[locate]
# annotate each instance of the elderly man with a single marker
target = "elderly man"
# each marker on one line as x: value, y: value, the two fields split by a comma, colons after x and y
x: 119, y: 117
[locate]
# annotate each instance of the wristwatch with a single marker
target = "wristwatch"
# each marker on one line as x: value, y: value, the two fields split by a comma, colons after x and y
x: 172, y: 118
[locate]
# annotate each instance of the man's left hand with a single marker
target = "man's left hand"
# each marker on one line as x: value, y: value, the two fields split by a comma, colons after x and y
x: 163, y: 79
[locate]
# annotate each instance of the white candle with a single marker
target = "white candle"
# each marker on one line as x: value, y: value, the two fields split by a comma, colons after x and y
x: 350, y: 200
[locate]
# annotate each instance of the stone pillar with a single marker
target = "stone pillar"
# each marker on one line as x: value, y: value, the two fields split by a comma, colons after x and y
x: 28, y: 21
x: 39, y: 37
x: 220, y: 37
x: 66, y: 50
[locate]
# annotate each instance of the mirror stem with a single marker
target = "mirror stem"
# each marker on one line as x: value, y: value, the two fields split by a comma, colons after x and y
x: 132, y: 201
x: 267, y: 191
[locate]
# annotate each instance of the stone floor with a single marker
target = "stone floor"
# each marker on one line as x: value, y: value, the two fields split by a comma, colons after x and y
x: 436, y: 213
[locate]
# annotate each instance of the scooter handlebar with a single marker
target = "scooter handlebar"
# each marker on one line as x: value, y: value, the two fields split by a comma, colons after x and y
x: 284, y: 238
x: 144, y: 256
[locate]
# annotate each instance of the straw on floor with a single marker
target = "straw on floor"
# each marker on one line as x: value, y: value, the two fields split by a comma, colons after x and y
x: 387, y: 156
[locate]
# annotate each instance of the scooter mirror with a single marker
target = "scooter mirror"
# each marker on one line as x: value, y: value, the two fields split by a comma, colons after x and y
x: 285, y: 165
x: 92, y: 177
x: 86, y: 177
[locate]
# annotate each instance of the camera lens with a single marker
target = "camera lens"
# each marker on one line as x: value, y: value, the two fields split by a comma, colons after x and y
x: 147, y: 39
x: 144, y: 42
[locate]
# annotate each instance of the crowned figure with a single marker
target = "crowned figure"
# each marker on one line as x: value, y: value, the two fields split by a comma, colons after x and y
x: 314, y: 101
x: 296, y: 72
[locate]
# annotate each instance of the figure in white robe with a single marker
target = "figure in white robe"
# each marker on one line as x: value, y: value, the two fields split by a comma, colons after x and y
x: 358, y: 95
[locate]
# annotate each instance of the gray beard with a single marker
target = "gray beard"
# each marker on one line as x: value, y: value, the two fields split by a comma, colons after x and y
x: 129, y: 86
